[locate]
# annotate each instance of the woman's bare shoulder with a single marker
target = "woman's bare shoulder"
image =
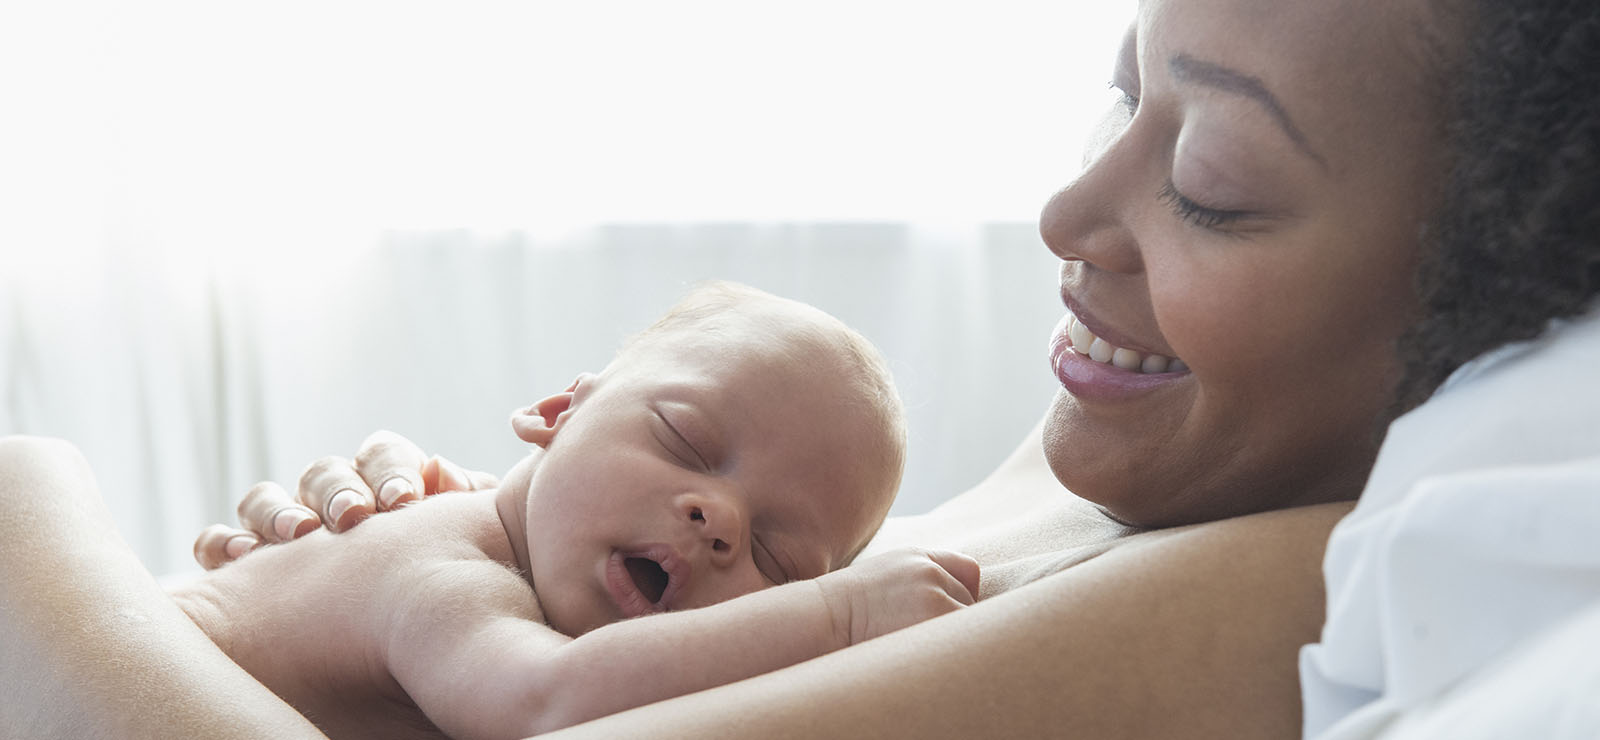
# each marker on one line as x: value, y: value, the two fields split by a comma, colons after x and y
x: 1185, y: 632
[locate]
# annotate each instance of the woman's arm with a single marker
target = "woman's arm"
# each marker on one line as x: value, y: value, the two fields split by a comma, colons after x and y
x: 90, y: 646
x: 469, y: 651
x: 1187, y: 633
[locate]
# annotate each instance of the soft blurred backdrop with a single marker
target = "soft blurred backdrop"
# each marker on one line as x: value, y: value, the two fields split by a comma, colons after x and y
x: 237, y: 236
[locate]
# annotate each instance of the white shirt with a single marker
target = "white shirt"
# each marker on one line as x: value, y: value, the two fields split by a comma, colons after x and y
x: 1478, y: 530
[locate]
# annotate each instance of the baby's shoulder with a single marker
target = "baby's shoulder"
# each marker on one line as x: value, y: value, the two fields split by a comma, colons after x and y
x: 447, y: 564
x: 450, y: 593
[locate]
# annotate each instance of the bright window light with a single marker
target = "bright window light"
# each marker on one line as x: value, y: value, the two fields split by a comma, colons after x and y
x: 198, y: 118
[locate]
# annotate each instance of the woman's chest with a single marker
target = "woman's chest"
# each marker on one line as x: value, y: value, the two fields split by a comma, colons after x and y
x: 1045, y: 540
x: 1018, y: 548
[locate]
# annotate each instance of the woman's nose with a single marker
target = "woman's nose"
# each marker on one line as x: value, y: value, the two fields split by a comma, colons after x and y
x: 1091, y: 220
x: 719, y: 524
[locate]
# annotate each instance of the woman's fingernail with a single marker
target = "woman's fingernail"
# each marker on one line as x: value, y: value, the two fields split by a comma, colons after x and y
x: 396, y: 492
x: 289, y: 524
x: 240, y: 544
x: 342, y: 502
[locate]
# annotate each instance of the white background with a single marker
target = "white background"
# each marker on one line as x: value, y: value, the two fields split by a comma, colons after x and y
x: 236, y: 236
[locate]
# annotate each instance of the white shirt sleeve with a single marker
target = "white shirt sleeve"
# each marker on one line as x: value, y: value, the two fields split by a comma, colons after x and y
x: 1479, y: 529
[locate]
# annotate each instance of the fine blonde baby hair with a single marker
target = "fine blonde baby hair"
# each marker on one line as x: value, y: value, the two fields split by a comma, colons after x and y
x: 707, y: 305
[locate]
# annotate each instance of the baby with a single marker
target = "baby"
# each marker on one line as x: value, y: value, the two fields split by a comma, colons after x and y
x: 742, y: 443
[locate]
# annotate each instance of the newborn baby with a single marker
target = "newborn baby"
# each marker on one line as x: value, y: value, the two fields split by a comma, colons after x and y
x: 677, y: 526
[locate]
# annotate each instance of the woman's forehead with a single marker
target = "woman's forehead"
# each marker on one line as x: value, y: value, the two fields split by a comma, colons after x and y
x: 1343, y: 76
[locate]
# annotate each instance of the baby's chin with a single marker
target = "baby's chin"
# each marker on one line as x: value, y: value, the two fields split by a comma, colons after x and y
x: 569, y: 608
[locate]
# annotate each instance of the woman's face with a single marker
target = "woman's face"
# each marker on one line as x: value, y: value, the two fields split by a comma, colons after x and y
x: 1246, y: 228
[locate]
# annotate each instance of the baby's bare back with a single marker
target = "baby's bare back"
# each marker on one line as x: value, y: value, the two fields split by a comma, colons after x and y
x: 312, y: 619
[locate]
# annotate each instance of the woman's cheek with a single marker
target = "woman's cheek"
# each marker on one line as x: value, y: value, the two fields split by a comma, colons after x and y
x: 1202, y: 322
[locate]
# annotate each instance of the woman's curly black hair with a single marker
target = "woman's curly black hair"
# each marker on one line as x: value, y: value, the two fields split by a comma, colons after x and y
x: 1516, y: 240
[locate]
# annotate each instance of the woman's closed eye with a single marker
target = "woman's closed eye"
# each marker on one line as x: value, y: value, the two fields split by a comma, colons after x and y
x: 1205, y: 217
x: 1127, y: 100
x: 1125, y: 76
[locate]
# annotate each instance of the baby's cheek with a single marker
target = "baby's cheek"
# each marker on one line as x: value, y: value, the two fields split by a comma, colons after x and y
x: 723, y: 587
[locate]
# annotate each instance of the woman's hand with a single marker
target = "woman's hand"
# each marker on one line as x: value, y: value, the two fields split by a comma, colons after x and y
x: 387, y: 473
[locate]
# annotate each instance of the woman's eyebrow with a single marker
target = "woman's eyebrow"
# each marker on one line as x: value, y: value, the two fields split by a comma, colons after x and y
x: 1185, y: 68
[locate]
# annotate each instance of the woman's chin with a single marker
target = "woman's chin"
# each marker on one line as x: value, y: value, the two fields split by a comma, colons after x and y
x: 1122, y: 498
x: 1137, y: 513
x: 1122, y: 491
x: 1140, y: 473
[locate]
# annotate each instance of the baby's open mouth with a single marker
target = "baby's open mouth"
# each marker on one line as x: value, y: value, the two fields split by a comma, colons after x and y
x: 648, y: 577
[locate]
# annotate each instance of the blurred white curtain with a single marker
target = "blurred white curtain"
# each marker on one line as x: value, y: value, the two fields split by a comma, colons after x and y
x: 185, y: 380
x: 228, y: 237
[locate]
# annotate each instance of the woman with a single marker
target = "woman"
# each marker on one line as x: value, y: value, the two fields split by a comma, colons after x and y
x: 1253, y: 211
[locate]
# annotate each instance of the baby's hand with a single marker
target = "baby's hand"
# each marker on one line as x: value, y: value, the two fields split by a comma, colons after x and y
x: 897, y: 589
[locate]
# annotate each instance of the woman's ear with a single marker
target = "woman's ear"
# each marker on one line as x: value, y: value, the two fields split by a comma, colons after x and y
x: 539, y: 423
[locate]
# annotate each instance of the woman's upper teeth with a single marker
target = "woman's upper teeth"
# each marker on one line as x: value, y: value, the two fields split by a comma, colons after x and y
x: 1084, y: 342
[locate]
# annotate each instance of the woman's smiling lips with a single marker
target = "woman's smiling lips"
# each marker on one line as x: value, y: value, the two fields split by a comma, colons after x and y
x: 1091, y: 368
x: 625, y: 593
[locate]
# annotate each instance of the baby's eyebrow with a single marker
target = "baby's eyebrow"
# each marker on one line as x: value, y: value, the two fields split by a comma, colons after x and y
x: 1185, y: 68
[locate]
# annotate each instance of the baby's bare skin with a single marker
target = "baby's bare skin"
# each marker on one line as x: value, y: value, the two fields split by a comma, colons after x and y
x: 318, y: 633
x: 685, y: 518
x: 416, y: 625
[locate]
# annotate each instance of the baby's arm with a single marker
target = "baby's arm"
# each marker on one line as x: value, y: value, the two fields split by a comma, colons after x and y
x: 471, y: 656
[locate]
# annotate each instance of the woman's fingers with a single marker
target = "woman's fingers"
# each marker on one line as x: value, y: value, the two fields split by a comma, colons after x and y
x: 332, y: 488
x: 392, y: 466
x: 269, y: 512
x: 220, y: 544
x: 388, y: 472
x: 440, y: 475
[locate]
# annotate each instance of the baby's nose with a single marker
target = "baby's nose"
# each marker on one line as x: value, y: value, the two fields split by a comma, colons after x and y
x: 719, y: 524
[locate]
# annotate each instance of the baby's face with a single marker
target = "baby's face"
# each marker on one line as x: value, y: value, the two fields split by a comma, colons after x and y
x: 700, y: 469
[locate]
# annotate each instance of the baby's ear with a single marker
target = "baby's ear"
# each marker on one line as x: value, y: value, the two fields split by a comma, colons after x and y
x: 539, y: 423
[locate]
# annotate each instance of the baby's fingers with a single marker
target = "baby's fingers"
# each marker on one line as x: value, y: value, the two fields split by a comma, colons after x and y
x: 963, y: 569
x: 391, y: 465
x: 332, y: 487
x: 267, y: 510
x: 220, y: 544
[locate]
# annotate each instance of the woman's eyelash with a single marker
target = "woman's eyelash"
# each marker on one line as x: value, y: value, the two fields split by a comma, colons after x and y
x: 1127, y: 99
x: 1196, y: 214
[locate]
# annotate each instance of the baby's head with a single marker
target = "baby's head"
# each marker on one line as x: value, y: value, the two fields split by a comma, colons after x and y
x: 743, y: 441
